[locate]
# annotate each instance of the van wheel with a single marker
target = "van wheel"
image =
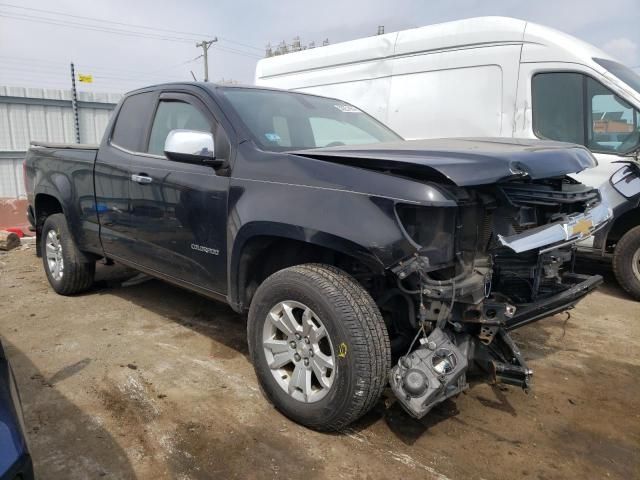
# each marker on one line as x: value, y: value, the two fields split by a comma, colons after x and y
x: 319, y: 345
x: 66, y: 268
x: 626, y: 262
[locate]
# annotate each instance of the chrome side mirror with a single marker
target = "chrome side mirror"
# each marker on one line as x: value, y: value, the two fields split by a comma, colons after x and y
x: 189, y: 146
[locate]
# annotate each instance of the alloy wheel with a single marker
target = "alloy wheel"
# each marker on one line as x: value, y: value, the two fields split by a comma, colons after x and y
x: 55, y: 260
x: 299, y: 351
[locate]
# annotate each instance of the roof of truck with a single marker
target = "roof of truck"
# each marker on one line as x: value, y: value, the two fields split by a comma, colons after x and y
x: 207, y: 85
x: 468, y: 33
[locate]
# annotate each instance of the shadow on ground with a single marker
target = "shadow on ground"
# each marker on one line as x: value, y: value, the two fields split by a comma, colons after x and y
x: 65, y: 442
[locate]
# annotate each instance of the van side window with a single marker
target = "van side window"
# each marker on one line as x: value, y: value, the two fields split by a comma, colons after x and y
x: 557, y: 106
x: 614, y: 123
x: 172, y: 115
x: 133, y: 118
x: 571, y: 107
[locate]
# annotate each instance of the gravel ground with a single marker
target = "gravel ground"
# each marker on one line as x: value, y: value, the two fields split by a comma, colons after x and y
x: 150, y: 381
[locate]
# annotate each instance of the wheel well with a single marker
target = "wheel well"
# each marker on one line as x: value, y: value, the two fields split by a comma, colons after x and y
x: 622, y: 225
x: 45, y: 205
x: 264, y: 255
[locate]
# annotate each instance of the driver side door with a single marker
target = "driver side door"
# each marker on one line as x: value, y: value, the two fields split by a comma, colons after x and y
x: 179, y: 209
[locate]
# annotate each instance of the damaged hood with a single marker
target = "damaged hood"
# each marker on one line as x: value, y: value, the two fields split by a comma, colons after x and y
x: 463, y: 161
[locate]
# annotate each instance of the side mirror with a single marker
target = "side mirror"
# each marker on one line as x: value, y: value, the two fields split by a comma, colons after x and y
x: 190, y: 146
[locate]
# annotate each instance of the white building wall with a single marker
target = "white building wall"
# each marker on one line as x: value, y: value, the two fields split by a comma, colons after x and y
x: 28, y: 114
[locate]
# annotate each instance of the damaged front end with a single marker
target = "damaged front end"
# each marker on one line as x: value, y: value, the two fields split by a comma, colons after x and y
x: 503, y: 260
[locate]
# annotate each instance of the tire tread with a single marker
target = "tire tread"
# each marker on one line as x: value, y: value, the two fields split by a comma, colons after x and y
x: 622, y: 258
x: 369, y: 341
x: 78, y: 274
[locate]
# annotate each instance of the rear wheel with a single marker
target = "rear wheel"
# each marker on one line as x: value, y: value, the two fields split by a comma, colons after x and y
x: 319, y: 345
x: 67, y: 270
x: 626, y: 262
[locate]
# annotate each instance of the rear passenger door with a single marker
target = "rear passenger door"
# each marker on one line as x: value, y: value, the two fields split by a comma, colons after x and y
x: 179, y: 209
x: 125, y: 138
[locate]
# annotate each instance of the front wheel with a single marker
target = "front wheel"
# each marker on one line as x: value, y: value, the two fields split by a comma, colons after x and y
x: 626, y: 262
x: 67, y: 270
x: 319, y: 345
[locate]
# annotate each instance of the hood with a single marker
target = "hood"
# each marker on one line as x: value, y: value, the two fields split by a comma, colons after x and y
x: 463, y: 161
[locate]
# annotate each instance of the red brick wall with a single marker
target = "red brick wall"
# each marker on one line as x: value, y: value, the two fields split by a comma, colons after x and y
x: 13, y: 213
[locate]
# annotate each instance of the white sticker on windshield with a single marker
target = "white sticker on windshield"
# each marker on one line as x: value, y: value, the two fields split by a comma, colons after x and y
x: 272, y: 137
x: 347, y: 108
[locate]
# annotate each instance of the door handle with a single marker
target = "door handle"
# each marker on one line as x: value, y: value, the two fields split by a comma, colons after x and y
x: 141, y: 179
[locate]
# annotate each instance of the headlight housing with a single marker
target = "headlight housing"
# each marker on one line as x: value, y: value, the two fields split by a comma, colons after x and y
x: 431, y: 229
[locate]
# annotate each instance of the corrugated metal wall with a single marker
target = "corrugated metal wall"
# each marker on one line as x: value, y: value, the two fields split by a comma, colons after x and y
x: 28, y: 114
x: 11, y: 183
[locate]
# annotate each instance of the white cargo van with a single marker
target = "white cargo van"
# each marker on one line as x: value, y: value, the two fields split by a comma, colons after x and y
x: 488, y: 77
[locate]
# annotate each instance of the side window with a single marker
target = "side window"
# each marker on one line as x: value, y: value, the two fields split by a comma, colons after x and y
x: 571, y: 107
x: 132, y: 121
x: 614, y: 123
x: 328, y: 131
x: 172, y: 115
x: 557, y: 103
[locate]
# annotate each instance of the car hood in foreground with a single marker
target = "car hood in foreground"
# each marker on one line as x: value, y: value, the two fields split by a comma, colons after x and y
x: 463, y: 161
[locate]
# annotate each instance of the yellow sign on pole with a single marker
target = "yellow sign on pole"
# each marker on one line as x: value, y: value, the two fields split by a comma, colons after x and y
x: 85, y: 78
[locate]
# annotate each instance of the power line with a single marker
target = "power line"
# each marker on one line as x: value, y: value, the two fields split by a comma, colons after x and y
x: 53, y: 71
x: 77, y: 25
x: 113, y: 22
x: 101, y: 72
x: 237, y: 52
x: 57, y: 76
x: 241, y: 44
x: 58, y: 63
x: 82, y: 26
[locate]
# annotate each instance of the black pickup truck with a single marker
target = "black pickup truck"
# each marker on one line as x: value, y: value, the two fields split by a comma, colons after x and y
x: 362, y: 259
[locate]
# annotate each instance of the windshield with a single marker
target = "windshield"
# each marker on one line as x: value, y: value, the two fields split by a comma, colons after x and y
x: 625, y: 74
x: 281, y: 121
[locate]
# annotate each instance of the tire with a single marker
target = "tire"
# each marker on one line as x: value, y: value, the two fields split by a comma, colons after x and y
x: 76, y: 274
x: 356, y: 340
x: 626, y: 262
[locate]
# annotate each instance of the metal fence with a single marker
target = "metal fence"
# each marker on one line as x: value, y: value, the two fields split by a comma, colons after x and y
x: 28, y: 114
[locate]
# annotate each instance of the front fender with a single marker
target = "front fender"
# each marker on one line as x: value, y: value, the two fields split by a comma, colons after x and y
x: 310, y: 236
x: 362, y: 226
x: 622, y: 209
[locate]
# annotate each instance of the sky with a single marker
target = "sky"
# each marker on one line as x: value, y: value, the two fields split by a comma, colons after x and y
x: 36, y: 46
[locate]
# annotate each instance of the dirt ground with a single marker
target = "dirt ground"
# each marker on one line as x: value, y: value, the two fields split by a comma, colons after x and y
x: 150, y: 381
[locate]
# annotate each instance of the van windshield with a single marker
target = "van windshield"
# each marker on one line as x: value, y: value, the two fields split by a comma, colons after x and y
x: 624, y: 73
x: 281, y: 121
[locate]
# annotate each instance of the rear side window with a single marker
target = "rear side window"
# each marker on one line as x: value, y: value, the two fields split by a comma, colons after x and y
x: 132, y: 122
x: 174, y: 115
x: 558, y: 111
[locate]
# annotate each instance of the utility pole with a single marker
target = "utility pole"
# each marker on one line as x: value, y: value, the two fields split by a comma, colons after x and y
x: 74, y: 103
x: 205, y: 44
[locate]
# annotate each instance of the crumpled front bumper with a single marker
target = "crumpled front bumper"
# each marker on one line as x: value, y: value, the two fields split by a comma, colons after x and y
x: 548, y: 237
x: 438, y: 368
x: 581, y: 285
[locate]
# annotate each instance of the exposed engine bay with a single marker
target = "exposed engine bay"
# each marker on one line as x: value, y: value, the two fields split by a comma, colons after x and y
x: 502, y: 260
